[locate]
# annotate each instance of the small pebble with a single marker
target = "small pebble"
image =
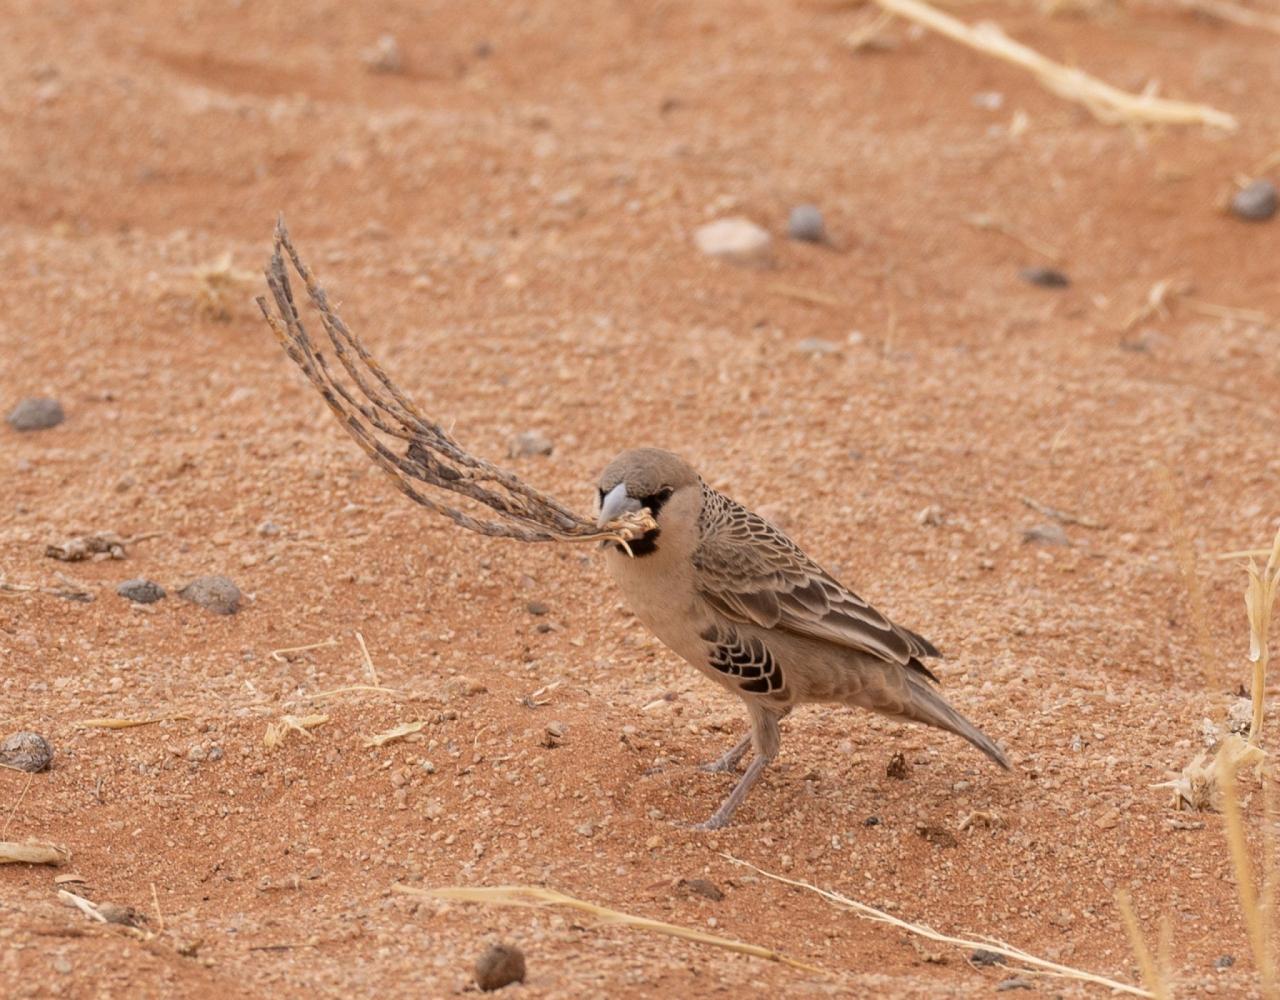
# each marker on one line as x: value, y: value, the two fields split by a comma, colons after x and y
x: 1257, y: 202
x: 27, y: 752
x: 897, y: 767
x: 1013, y: 984
x: 384, y: 56
x: 736, y: 240
x: 268, y: 529
x: 1224, y: 962
x: 528, y: 444
x: 818, y: 347
x: 141, y: 591
x: 537, y: 608
x: 1045, y: 534
x: 500, y: 966
x: 805, y: 224
x: 871, y: 821
x: 703, y: 887
x: 36, y: 414
x: 213, y: 593
x: 983, y: 957
x: 1045, y: 277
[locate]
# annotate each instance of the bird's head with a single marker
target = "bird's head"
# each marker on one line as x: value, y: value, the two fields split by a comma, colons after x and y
x: 652, y: 479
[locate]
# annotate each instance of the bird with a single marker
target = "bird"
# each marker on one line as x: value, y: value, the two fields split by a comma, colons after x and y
x: 736, y: 598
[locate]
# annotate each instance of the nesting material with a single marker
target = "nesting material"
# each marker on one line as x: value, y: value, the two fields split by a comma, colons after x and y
x: 407, y: 446
x: 1106, y: 103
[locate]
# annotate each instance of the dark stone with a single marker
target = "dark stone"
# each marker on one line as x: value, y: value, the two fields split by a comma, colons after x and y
x: 1045, y: 277
x: 141, y: 591
x: 500, y: 966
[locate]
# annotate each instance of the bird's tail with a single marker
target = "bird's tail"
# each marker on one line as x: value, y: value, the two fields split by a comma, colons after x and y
x: 930, y: 707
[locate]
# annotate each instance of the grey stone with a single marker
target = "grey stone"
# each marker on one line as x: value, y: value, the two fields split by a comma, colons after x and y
x: 1045, y: 277
x: 805, y: 224
x: 1256, y: 202
x: 38, y: 413
x: 213, y: 593
x: 141, y: 591
x: 26, y: 751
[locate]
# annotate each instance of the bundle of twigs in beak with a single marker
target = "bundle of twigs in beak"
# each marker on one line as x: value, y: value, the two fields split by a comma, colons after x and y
x: 378, y: 414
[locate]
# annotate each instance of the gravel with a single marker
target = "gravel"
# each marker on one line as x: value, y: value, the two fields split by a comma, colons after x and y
x: 36, y: 414
x: 213, y: 593
x: 805, y: 224
x: 1256, y: 202
x: 141, y: 591
x: 26, y: 751
x: 500, y: 966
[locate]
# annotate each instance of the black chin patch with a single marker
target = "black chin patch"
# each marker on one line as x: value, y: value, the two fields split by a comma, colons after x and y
x: 645, y: 545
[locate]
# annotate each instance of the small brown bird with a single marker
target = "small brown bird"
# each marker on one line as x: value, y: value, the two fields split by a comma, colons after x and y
x: 739, y: 600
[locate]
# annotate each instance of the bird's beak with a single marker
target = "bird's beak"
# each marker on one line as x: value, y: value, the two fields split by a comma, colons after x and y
x: 615, y: 504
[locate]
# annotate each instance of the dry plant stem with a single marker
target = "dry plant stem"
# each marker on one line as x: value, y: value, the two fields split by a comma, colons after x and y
x: 1255, y: 918
x: 1106, y: 103
x: 279, y: 657
x: 17, y: 802
x: 376, y: 410
x: 32, y: 854
x: 1062, y: 515
x: 368, y: 661
x: 112, y: 723
x: 1158, y: 986
x: 396, y: 733
x: 1259, y: 602
x: 987, y: 222
x: 1041, y: 965
x: 537, y: 896
x: 1234, y: 13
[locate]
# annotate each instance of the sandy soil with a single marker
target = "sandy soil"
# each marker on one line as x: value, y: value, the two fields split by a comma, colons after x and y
x: 508, y: 222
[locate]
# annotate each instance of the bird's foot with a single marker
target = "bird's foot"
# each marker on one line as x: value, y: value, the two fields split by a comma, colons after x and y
x: 729, y: 762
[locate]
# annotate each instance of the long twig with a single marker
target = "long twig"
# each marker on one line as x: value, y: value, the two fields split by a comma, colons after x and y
x: 1106, y: 103
x: 537, y: 896
x: 1043, y: 965
x: 377, y: 414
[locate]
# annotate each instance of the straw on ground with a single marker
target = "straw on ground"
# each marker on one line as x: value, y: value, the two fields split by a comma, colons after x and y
x: 537, y: 896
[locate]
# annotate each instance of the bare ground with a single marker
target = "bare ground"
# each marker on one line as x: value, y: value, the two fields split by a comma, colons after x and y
x: 508, y: 223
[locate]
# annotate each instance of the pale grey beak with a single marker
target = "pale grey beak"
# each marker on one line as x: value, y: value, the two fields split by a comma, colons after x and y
x: 615, y: 504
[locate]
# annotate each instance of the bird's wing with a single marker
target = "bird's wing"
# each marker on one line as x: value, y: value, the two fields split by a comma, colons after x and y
x: 751, y: 572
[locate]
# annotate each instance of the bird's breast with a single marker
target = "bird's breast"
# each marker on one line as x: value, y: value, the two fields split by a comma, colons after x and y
x: 660, y: 592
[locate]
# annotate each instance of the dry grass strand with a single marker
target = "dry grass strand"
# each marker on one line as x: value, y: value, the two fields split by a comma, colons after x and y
x: 538, y: 896
x: 1040, y: 966
x: 1106, y: 103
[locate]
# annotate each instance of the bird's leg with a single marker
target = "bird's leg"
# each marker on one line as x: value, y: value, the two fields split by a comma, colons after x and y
x: 766, y: 738
x: 749, y: 777
x: 727, y: 763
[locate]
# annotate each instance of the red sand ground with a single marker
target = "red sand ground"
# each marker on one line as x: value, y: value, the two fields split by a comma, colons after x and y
x: 508, y: 223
